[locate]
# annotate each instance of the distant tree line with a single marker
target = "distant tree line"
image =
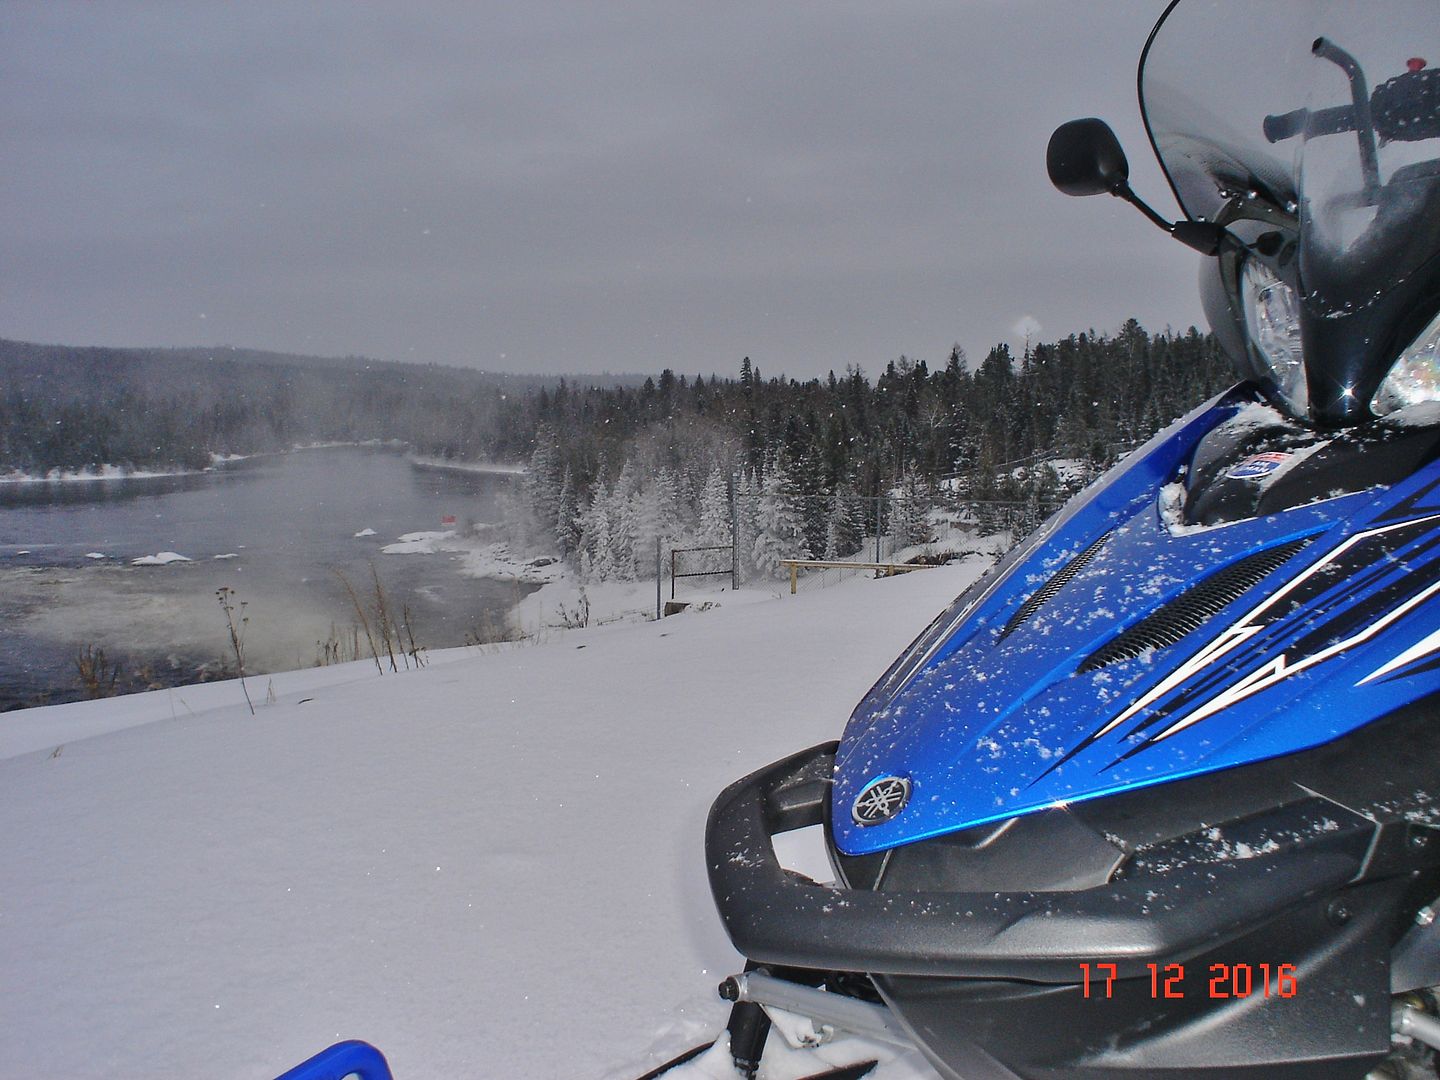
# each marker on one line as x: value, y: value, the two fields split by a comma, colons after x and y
x: 613, y: 469
x: 74, y: 409
x: 614, y: 466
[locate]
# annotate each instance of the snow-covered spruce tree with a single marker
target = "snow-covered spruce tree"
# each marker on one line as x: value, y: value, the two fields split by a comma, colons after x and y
x: 909, y: 520
x: 845, y: 529
x: 567, y: 516
x: 596, y: 546
x: 543, y: 480
x: 747, y: 518
x: 671, y: 503
x: 714, y: 527
x: 808, y: 479
x: 779, y: 519
x: 621, y: 517
x: 656, y: 517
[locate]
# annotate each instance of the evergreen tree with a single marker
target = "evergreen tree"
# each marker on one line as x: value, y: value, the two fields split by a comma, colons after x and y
x: 655, y: 518
x: 621, y: 521
x: 543, y: 479
x: 715, y: 510
x: 807, y: 480
x: 567, y: 517
x: 747, y: 516
x: 779, y: 520
x: 909, y: 519
x: 596, y: 544
x: 845, y: 529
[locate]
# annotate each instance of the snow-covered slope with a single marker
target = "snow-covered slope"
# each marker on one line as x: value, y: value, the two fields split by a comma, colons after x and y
x: 488, y: 868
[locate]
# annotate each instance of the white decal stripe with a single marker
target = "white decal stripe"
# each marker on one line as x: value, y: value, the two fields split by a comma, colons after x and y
x: 1421, y: 648
x: 1280, y: 669
x: 1236, y: 635
x: 1247, y: 627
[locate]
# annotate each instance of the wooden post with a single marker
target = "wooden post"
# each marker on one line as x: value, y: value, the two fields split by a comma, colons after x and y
x: 794, y: 577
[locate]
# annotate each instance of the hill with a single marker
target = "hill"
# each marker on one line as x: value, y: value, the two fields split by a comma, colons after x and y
x: 488, y: 867
x: 74, y: 408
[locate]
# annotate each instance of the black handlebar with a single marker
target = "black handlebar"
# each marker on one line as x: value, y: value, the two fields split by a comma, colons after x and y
x: 1333, y: 121
x: 1403, y: 109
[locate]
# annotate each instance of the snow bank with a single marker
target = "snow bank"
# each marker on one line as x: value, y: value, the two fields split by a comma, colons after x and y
x: 496, y: 467
x: 489, y: 867
x: 483, y: 558
x: 100, y: 472
x: 419, y: 543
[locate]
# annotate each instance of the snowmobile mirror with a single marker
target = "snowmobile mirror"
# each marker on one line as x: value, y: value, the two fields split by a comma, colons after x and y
x: 1084, y: 158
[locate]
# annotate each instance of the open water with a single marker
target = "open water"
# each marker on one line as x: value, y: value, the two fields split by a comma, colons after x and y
x: 279, y: 531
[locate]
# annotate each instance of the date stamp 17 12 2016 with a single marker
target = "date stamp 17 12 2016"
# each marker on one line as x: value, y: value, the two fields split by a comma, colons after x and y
x: 1220, y: 981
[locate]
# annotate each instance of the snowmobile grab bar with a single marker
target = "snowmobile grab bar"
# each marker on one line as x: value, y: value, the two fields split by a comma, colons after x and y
x: 776, y: 916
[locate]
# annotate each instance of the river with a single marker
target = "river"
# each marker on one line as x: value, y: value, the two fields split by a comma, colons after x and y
x: 278, y: 531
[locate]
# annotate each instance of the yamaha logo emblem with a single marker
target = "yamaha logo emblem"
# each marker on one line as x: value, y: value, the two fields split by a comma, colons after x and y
x: 881, y: 800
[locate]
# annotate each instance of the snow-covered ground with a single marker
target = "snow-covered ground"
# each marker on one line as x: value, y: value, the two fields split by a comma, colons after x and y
x: 124, y: 472
x: 480, y: 557
x: 73, y: 476
x: 491, y: 867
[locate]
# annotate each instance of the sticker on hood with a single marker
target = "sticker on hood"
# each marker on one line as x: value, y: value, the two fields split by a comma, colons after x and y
x: 1258, y: 465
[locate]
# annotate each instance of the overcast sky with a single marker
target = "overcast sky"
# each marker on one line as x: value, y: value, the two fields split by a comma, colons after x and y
x: 572, y: 187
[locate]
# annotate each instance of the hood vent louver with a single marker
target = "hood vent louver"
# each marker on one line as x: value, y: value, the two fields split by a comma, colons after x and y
x: 1190, y: 609
x: 1043, y: 595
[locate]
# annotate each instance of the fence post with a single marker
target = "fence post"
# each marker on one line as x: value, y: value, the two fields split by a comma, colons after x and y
x: 794, y: 578
x: 658, y: 578
x: 734, y: 532
x: 877, y: 526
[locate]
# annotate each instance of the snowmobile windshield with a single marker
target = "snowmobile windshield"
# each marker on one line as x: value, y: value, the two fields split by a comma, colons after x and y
x: 1311, y: 130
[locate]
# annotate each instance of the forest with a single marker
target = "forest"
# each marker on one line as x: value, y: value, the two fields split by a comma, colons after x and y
x: 614, y: 469
x: 616, y: 462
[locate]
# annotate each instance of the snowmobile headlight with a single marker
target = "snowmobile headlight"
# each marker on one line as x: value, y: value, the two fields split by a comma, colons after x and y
x: 1415, y: 375
x: 1272, y: 316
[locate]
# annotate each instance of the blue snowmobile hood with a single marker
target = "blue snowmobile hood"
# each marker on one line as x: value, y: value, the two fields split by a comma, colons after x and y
x: 1118, y: 648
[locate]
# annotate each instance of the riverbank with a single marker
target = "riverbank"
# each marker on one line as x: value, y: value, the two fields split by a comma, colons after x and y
x: 133, y: 569
x: 496, y: 468
x: 218, y: 461
x: 88, y: 476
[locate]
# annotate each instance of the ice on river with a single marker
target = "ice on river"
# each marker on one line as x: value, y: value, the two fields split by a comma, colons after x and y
x: 162, y: 558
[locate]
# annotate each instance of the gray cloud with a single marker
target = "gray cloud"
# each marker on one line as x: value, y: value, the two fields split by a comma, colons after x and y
x: 570, y: 186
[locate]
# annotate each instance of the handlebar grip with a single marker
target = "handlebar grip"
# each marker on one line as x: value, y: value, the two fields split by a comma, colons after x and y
x: 1320, y: 122
x: 1285, y: 125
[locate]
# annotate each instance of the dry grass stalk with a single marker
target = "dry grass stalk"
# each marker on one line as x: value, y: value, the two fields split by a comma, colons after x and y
x: 236, y: 622
x: 97, y: 672
x: 383, y: 634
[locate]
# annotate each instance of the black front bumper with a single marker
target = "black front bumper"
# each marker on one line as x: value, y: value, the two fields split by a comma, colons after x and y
x: 980, y: 941
x: 775, y: 916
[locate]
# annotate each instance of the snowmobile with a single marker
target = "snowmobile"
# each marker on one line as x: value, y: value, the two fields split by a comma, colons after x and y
x: 1159, y: 796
